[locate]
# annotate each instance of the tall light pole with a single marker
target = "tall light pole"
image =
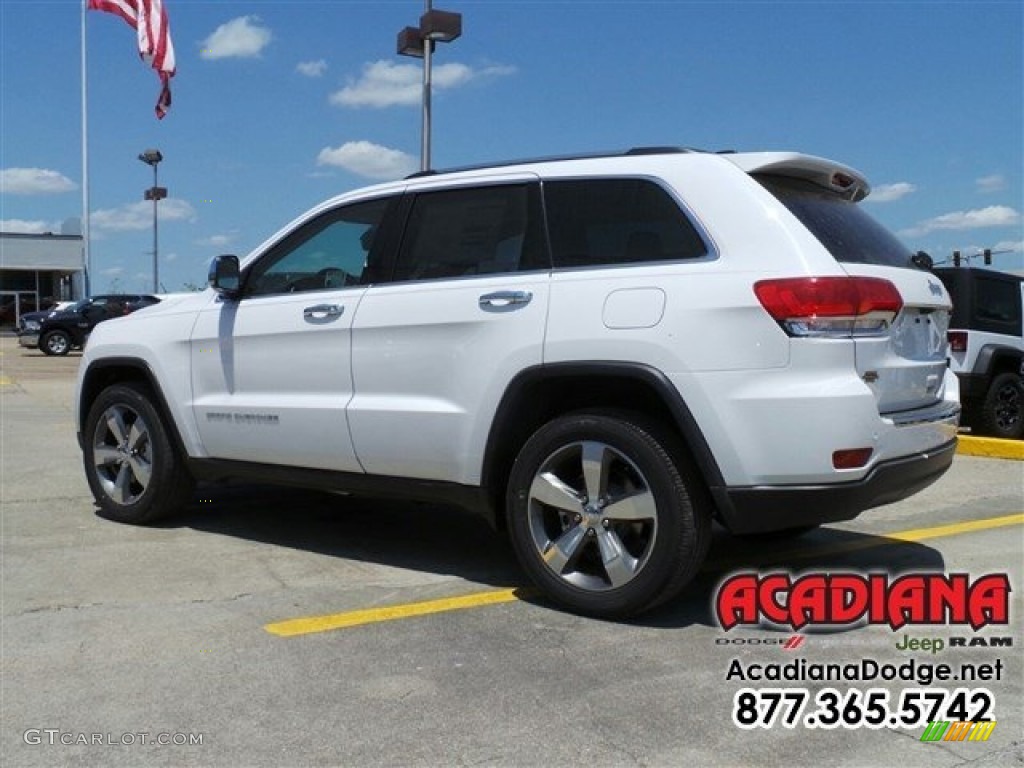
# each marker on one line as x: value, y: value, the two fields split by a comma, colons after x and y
x: 435, y: 27
x: 152, y: 157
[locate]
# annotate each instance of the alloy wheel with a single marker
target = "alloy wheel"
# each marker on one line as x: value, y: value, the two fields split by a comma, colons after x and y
x: 592, y: 516
x: 122, y: 454
x: 1008, y: 407
x: 57, y: 343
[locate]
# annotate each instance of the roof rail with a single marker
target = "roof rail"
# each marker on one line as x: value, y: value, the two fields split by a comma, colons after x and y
x: 557, y: 158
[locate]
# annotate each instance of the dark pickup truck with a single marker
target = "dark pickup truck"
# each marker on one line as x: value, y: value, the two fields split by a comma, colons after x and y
x: 66, y: 329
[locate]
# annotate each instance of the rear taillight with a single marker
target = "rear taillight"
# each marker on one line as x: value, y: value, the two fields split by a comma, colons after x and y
x: 830, y: 306
x: 957, y: 341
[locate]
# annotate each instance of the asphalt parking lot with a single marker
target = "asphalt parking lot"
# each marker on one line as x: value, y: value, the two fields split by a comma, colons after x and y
x: 277, y: 627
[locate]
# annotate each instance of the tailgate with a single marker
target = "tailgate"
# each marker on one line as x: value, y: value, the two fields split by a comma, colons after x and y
x: 905, y: 367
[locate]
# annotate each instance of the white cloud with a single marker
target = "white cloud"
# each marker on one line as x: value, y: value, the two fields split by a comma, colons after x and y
x: 993, y: 183
x: 887, y: 193
x: 311, y: 68
x: 241, y: 38
x: 496, y: 70
x: 24, y: 226
x: 368, y: 159
x: 1013, y: 246
x: 979, y: 218
x: 386, y: 84
x: 34, y: 181
x: 215, y: 241
x: 133, y: 217
x: 383, y: 84
x: 112, y: 271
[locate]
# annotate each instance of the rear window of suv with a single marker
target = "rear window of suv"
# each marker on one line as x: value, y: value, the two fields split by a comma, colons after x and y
x: 843, y: 227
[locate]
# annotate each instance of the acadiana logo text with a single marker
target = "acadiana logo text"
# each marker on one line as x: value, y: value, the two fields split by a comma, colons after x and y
x: 849, y: 598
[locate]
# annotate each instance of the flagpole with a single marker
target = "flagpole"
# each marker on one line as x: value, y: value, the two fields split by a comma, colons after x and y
x: 86, y: 256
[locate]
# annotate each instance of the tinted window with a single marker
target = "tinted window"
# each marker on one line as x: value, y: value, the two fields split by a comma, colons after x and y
x: 616, y: 221
x: 844, y: 228
x: 101, y: 306
x: 465, y: 232
x: 997, y: 305
x: 329, y: 252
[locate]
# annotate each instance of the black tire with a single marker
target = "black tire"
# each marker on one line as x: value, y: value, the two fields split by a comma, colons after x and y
x: 134, y: 470
x: 1002, y: 412
x: 634, y: 547
x: 55, y: 343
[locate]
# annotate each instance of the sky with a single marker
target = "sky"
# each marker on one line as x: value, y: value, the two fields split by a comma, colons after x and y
x: 280, y: 105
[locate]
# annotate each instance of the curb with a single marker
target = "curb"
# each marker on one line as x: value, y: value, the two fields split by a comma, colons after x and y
x: 992, y: 447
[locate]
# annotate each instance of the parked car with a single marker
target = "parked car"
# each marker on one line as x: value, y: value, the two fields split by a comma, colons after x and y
x: 29, y: 322
x: 986, y: 341
x: 600, y: 354
x: 66, y: 329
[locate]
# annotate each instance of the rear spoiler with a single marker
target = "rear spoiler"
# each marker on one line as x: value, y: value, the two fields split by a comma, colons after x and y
x: 830, y: 175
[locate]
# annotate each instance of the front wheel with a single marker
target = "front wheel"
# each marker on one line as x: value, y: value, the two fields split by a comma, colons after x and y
x: 134, y: 470
x: 601, y: 517
x: 56, y: 343
x: 1002, y: 412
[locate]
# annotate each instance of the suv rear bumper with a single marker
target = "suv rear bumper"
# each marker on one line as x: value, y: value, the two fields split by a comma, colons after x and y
x: 771, y: 508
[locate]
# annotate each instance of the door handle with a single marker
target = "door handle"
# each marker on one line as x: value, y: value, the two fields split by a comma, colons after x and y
x: 321, y: 313
x: 503, y: 301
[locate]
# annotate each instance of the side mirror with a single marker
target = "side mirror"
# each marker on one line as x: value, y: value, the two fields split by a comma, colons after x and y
x: 922, y: 260
x: 225, y: 276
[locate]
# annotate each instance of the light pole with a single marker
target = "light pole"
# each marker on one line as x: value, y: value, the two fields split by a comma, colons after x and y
x: 155, y: 193
x: 435, y: 27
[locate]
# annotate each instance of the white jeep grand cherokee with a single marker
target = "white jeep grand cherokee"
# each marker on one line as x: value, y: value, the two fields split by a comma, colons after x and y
x: 600, y: 354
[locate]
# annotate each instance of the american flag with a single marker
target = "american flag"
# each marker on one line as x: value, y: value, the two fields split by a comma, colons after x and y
x: 149, y: 19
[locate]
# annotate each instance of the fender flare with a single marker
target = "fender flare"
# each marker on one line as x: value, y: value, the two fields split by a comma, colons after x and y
x: 651, y: 377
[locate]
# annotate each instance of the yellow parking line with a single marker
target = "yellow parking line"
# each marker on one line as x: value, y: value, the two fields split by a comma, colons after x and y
x: 992, y: 447
x: 312, y: 624
x: 937, y: 531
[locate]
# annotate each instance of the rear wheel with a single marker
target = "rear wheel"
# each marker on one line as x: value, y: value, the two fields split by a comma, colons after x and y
x: 134, y: 471
x: 55, y: 343
x: 601, y: 517
x: 1002, y: 412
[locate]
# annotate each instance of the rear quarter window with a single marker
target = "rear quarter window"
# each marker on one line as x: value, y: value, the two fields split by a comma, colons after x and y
x: 997, y: 305
x: 983, y: 300
x: 604, y: 222
x: 848, y: 232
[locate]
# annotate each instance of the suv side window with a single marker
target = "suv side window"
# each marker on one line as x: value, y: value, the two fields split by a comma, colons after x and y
x: 332, y: 251
x: 477, y: 231
x: 597, y: 222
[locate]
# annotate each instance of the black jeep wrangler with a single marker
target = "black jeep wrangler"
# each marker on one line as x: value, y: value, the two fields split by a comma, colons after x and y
x: 987, y: 347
